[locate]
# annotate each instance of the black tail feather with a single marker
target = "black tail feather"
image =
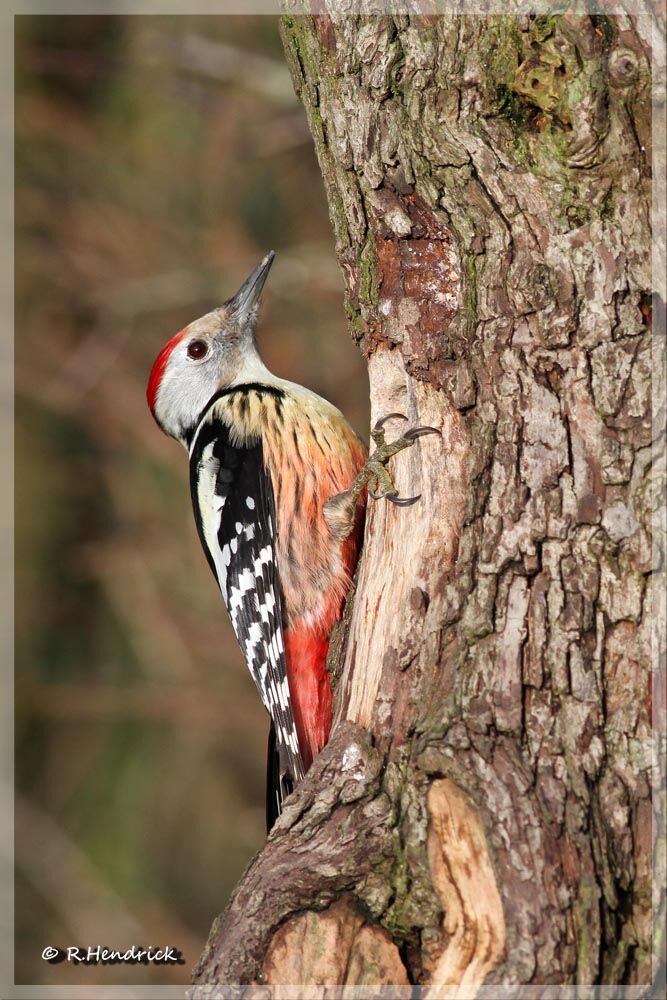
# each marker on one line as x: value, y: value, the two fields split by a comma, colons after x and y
x: 278, y: 781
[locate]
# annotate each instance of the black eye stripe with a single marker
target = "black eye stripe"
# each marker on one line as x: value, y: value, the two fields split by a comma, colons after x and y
x: 197, y: 349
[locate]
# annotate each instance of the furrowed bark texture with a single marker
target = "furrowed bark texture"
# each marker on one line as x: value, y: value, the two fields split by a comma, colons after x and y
x: 483, y: 811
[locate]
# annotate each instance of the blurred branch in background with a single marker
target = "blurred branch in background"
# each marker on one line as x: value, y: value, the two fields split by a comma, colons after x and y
x: 260, y: 74
x: 257, y: 74
x: 157, y: 159
x: 60, y: 872
x: 62, y: 875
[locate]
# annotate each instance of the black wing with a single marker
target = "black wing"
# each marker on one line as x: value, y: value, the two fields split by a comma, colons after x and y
x: 234, y: 508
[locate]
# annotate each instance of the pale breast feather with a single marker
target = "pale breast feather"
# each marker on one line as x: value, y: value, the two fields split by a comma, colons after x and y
x: 234, y: 509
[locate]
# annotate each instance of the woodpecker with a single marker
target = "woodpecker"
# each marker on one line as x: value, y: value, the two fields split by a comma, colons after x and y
x: 278, y: 481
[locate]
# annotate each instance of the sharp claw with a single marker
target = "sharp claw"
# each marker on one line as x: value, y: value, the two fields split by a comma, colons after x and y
x: 402, y: 501
x: 390, y: 416
x: 417, y: 432
x: 384, y: 452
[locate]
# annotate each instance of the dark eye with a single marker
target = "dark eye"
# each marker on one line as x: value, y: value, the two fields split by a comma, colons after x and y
x: 197, y: 349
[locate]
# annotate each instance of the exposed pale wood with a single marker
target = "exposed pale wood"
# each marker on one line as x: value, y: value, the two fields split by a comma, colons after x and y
x: 388, y: 616
x: 473, y: 923
x: 333, y: 948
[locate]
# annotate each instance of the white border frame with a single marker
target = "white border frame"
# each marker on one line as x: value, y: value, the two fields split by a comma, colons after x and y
x: 659, y: 217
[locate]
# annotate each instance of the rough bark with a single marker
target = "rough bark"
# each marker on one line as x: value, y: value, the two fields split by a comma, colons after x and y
x: 483, y: 811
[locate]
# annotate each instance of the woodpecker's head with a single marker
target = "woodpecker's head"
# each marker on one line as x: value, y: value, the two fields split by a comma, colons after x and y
x: 210, y: 354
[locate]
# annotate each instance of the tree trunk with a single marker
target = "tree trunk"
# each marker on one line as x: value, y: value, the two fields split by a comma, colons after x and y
x: 482, y: 813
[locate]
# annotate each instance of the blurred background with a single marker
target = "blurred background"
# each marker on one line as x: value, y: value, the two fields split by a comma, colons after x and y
x: 157, y: 159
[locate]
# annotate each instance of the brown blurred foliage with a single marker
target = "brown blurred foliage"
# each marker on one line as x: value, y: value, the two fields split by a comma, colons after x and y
x: 157, y: 159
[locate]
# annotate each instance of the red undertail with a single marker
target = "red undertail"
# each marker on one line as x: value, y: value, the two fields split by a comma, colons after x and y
x: 310, y: 688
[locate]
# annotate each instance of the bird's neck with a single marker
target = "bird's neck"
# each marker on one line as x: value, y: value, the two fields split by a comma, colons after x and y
x: 252, y: 368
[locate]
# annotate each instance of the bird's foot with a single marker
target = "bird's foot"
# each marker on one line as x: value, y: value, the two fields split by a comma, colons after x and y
x: 339, y: 510
x: 375, y: 474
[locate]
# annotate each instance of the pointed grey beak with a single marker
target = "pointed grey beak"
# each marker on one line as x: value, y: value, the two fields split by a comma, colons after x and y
x: 248, y: 294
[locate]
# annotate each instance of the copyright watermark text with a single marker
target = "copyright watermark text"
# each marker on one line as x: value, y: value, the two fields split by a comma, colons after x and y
x: 100, y: 955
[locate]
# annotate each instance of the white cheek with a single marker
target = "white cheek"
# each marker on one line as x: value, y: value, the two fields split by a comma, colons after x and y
x: 185, y: 391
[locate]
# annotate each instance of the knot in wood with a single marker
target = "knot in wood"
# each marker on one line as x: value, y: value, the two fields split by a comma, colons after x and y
x: 623, y: 67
